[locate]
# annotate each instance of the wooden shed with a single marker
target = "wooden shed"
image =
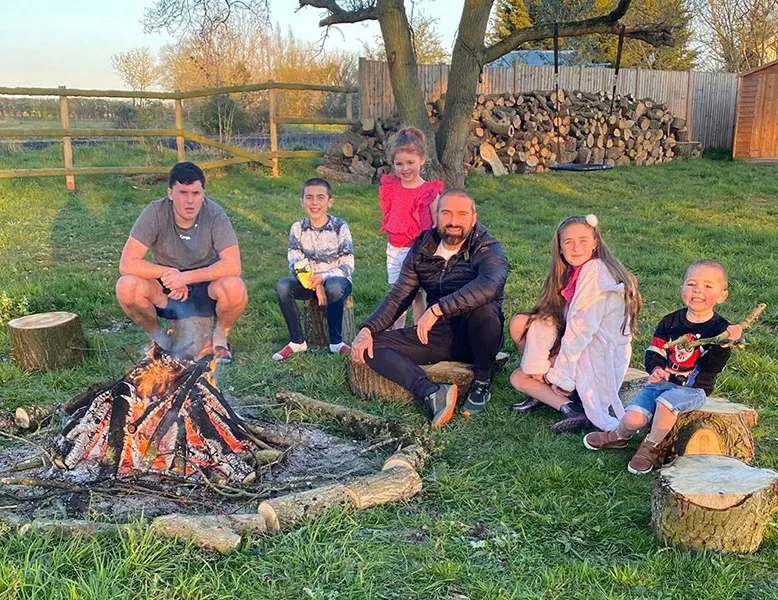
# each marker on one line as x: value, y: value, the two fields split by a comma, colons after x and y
x: 756, y: 124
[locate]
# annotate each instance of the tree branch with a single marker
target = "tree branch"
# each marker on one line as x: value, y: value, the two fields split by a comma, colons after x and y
x: 361, y: 11
x: 655, y: 34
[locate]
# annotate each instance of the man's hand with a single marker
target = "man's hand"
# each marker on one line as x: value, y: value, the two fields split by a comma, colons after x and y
x: 321, y: 296
x: 180, y: 294
x: 173, y: 279
x: 363, y: 341
x: 658, y: 374
x: 427, y: 321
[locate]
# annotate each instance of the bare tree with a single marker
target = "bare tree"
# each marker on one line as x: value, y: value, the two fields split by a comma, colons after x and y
x: 427, y: 45
x: 201, y: 17
x: 471, y: 53
x: 738, y: 35
x: 137, y: 68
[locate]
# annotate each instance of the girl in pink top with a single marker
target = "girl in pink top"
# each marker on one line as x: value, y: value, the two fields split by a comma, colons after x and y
x: 409, y: 205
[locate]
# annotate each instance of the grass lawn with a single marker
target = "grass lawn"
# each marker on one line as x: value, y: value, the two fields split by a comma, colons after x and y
x: 508, y: 509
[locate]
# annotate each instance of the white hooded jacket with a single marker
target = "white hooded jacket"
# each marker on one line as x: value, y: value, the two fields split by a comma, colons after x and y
x: 594, y: 352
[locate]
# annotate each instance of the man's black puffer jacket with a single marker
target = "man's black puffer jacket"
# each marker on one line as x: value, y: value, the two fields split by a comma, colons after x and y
x: 471, y: 278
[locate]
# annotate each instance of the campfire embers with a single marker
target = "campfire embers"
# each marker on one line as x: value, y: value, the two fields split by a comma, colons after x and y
x: 166, y: 416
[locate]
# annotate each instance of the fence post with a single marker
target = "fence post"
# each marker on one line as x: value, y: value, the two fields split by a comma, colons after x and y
x: 350, y: 107
x: 637, y: 83
x: 580, y: 77
x: 689, y: 103
x: 67, y: 148
x: 273, y: 131
x: 181, y: 156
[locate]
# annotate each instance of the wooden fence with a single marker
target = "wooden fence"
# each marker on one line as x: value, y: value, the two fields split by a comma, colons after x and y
x: 706, y: 100
x: 239, y: 155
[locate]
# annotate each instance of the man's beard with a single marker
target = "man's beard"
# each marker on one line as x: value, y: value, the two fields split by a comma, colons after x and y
x: 454, y: 235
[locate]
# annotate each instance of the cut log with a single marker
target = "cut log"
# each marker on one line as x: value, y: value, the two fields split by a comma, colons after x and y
x: 192, y: 336
x: 633, y: 382
x: 413, y: 457
x: 33, y: 417
x: 718, y: 427
x: 315, y: 323
x: 213, y: 532
x: 70, y: 528
x: 366, y: 383
x: 713, y: 502
x: 7, y: 424
x: 390, y: 485
x: 285, y: 511
x: 46, y: 341
x: 357, y: 422
x: 489, y: 154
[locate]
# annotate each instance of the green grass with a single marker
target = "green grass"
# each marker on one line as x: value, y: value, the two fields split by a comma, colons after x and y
x: 508, y: 510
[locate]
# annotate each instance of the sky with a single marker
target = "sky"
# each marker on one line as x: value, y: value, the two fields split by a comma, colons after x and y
x: 48, y: 43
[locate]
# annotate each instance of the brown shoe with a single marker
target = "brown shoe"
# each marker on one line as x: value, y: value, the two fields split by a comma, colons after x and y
x: 645, y: 458
x: 602, y: 440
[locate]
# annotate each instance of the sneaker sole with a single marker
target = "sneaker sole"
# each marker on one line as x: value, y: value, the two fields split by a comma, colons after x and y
x: 595, y: 448
x: 636, y: 472
x: 467, y: 412
x: 451, y: 404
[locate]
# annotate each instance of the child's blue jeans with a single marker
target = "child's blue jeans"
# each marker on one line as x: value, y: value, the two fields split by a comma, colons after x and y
x: 677, y: 398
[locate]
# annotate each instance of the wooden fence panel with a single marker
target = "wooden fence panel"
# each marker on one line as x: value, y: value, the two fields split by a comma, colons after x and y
x: 712, y: 108
x: 707, y: 100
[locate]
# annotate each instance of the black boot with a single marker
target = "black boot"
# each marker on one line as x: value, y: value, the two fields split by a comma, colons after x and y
x: 574, y: 420
x: 526, y: 405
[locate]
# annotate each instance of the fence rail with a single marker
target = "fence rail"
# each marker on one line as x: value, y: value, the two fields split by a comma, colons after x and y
x: 706, y: 100
x: 239, y: 155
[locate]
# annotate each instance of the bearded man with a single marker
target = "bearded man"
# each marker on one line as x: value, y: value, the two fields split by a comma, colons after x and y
x: 463, y: 270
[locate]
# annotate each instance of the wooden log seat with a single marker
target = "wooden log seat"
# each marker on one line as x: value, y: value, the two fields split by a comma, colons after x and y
x: 713, y: 502
x: 45, y: 341
x: 315, y: 323
x: 367, y: 384
x: 717, y: 427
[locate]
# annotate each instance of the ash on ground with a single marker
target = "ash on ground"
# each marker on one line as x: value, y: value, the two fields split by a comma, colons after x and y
x: 315, y: 458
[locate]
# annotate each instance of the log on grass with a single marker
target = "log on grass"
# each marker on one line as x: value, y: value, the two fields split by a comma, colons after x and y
x: 33, y: 417
x: 413, y: 457
x: 70, y: 528
x: 390, y: 485
x: 46, y: 341
x: 713, y: 502
x: 213, y: 532
x: 366, y: 383
x: 717, y: 427
x: 315, y: 323
x: 284, y: 511
x: 357, y: 422
x: 489, y: 154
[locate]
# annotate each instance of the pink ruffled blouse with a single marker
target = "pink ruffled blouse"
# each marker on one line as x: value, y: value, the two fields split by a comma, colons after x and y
x: 406, y: 210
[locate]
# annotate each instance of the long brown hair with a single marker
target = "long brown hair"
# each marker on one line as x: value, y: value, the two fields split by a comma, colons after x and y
x: 551, y: 304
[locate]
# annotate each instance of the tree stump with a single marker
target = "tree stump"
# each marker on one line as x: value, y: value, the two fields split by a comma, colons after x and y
x: 192, y: 336
x: 46, y: 341
x: 634, y: 380
x: 367, y: 384
x: 315, y: 323
x: 718, y: 427
x: 713, y: 502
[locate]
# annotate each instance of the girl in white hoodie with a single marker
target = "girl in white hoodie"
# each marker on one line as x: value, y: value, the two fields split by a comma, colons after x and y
x: 578, y: 338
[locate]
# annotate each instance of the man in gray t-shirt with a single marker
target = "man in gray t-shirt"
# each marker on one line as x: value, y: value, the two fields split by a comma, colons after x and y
x: 196, y: 269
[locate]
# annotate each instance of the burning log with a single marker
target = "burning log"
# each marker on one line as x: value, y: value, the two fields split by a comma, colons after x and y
x: 46, y: 341
x: 165, y: 416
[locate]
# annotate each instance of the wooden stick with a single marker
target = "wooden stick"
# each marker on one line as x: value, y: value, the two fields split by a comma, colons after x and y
x: 723, y: 338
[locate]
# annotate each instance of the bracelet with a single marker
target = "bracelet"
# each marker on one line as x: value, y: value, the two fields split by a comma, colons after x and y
x: 432, y: 310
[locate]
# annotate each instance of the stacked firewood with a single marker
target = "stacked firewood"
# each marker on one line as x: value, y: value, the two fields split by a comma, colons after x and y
x: 525, y: 133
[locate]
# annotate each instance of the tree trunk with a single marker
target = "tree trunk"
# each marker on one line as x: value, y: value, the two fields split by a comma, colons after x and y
x: 466, y: 65
x: 713, y: 502
x: 404, y: 72
x: 315, y: 323
x: 46, y: 341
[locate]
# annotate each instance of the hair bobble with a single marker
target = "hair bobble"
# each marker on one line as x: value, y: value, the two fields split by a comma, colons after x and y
x: 592, y: 221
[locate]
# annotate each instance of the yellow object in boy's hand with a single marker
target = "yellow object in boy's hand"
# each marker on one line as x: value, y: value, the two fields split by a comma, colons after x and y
x: 304, y: 273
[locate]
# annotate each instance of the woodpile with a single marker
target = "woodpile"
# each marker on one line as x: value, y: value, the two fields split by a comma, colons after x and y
x: 524, y: 133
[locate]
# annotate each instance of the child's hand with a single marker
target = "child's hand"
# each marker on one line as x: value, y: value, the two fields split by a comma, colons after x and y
x: 559, y: 391
x: 321, y: 296
x: 658, y: 374
x: 735, y: 332
x: 317, y: 281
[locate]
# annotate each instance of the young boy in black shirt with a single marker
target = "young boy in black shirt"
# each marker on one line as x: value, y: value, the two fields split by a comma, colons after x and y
x: 679, y: 378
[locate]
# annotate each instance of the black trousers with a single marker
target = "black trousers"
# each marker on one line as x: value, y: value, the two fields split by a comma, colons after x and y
x: 472, y: 338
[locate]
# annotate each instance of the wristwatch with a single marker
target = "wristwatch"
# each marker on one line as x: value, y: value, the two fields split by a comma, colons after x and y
x: 432, y: 308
